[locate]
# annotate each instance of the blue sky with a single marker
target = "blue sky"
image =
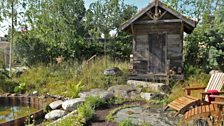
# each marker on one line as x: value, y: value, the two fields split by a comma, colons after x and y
x: 139, y: 3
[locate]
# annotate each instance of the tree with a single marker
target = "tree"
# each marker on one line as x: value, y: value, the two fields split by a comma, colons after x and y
x: 8, y: 11
x: 204, y: 47
x: 105, y: 16
x: 194, y: 8
x: 58, y: 23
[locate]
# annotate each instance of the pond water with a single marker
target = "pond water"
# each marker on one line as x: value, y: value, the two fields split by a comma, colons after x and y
x: 8, y: 113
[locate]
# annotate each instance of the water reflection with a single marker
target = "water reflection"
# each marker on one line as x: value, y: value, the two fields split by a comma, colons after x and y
x: 8, y: 113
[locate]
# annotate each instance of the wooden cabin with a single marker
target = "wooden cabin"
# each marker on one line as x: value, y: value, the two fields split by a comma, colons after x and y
x: 157, y: 42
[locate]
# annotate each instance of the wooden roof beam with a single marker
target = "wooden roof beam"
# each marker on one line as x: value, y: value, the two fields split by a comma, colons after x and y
x: 162, y: 14
x: 150, y: 15
x: 158, y: 21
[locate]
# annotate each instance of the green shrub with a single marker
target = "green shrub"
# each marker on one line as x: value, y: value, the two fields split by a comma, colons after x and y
x: 96, y: 102
x: 4, y: 74
x: 21, y: 88
x: 85, y: 111
x: 69, y: 121
x: 75, y: 89
x: 31, y: 50
x: 8, y: 86
x: 191, y: 70
x: 126, y: 123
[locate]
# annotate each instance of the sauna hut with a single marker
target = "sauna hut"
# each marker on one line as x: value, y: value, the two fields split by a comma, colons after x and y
x: 157, y: 32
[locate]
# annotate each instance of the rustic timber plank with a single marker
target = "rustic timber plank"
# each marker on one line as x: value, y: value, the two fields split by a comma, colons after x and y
x: 203, y: 109
x: 207, y: 108
x: 158, y: 21
x: 175, y: 107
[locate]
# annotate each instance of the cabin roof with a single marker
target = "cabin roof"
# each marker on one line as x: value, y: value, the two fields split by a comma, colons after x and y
x: 189, y: 24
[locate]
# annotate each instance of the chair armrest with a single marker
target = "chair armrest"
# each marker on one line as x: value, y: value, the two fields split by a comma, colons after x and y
x: 195, y: 88
x: 210, y: 95
x: 217, y: 96
x: 218, y: 103
x: 189, y: 89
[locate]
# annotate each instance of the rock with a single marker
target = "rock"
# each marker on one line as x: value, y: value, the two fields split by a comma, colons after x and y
x: 35, y: 93
x: 112, y: 71
x: 160, y: 87
x: 6, y: 94
x: 71, y: 114
x: 152, y: 96
x: 106, y: 95
x: 55, y: 114
x: 122, y: 91
x: 139, y: 115
x: 89, y: 93
x: 70, y: 105
x: 20, y: 70
x: 14, y: 94
x: 56, y: 104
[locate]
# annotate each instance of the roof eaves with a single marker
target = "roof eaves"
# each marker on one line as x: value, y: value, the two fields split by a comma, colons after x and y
x: 136, y: 16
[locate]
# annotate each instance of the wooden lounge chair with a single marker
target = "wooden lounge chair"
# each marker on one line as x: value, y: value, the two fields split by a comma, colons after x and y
x: 214, y: 110
x: 182, y: 104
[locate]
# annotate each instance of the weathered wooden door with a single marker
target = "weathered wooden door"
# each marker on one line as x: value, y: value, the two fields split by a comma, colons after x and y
x: 157, y: 56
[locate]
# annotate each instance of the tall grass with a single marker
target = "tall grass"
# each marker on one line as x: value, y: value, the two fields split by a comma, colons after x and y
x: 58, y: 79
x: 195, y: 80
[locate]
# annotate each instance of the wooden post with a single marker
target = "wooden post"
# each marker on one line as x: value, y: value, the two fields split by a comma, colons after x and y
x: 156, y: 16
x: 133, y: 47
x: 167, y: 72
x: 12, y: 37
x: 3, y: 56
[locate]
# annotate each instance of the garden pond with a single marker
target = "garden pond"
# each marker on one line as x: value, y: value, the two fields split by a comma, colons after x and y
x: 8, y: 112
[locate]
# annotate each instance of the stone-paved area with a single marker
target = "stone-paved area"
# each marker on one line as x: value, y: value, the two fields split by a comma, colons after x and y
x: 153, y: 116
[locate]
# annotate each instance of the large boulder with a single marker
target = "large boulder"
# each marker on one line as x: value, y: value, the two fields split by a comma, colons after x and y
x: 159, y: 87
x: 56, y: 104
x: 101, y: 93
x: 70, y: 105
x: 55, y: 114
x: 112, y: 71
x: 123, y: 91
x: 152, y: 96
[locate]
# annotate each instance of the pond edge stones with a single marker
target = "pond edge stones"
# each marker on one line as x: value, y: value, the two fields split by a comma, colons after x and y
x: 71, y: 104
x: 101, y: 93
x: 55, y: 114
x: 56, y: 104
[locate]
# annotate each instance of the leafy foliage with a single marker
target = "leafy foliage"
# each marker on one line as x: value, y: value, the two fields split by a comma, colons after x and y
x: 86, y: 111
x: 75, y: 89
x: 96, y: 102
x: 31, y: 50
x: 204, y: 47
x: 21, y: 88
x: 8, y: 86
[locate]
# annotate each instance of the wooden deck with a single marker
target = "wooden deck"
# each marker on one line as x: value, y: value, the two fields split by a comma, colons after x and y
x: 155, y: 77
